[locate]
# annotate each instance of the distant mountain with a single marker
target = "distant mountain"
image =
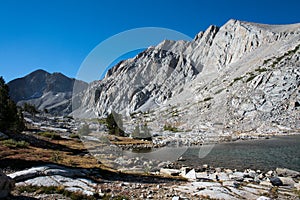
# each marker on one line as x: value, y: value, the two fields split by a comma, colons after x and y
x: 46, y: 91
x: 239, y: 77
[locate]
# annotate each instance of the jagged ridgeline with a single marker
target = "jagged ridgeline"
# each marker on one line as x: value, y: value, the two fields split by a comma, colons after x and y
x: 239, y: 77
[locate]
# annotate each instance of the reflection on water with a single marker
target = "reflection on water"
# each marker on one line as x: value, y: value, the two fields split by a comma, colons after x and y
x: 141, y: 150
x: 161, y: 154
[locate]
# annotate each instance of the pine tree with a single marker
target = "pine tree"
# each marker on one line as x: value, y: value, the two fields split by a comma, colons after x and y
x: 115, y: 124
x: 30, y: 109
x: 11, y: 119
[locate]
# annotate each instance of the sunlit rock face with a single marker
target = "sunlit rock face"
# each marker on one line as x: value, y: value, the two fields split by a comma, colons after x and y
x: 239, y: 77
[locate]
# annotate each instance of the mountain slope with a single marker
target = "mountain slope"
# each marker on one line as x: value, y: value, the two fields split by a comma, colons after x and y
x: 44, y: 90
x: 239, y: 77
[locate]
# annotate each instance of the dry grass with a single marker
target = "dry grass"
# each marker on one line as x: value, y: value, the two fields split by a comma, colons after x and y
x: 64, y: 152
x: 14, y: 144
x: 69, y: 153
x: 118, y: 140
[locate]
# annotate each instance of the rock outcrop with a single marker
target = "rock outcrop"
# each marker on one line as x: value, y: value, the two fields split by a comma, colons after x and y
x: 52, y: 175
x: 6, y: 185
x: 241, y: 77
x: 207, y: 183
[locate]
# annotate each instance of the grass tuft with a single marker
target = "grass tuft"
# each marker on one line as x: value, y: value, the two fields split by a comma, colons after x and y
x: 169, y: 127
x: 207, y: 98
x: 14, y: 144
x: 73, y: 135
x: 55, y: 190
x: 51, y: 135
x: 250, y: 78
x: 261, y: 70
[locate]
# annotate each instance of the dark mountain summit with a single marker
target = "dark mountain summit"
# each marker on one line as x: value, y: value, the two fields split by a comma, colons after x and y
x: 45, y: 90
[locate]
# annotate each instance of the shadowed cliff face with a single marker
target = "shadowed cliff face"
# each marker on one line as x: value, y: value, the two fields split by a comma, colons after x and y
x: 241, y: 76
x: 44, y: 90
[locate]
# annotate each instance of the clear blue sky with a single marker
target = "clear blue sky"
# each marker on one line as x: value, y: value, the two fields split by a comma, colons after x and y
x: 56, y: 35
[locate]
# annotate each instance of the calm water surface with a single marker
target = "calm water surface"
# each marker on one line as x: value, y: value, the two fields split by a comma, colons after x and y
x: 283, y: 151
x: 265, y: 154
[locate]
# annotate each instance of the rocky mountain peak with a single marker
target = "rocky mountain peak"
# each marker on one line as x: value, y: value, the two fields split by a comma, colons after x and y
x: 200, y: 78
x: 45, y: 90
x: 39, y: 72
x: 208, y: 35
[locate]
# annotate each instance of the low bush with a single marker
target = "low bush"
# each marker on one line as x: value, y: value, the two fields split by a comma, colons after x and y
x: 51, y: 135
x: 261, y: 69
x: 238, y: 78
x: 207, y: 98
x: 14, y: 144
x: 56, y: 157
x: 168, y: 127
x: 250, y: 78
x: 73, y: 135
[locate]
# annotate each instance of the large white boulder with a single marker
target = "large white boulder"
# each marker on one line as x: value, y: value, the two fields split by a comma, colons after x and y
x: 191, y: 175
x: 287, y: 172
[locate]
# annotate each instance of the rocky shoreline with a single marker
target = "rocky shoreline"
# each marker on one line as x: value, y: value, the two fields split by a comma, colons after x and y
x: 189, y: 139
x: 139, y: 178
x: 173, y: 182
x: 160, y: 138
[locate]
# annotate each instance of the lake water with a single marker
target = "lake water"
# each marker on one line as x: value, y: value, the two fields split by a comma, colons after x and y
x: 283, y: 151
x: 265, y: 154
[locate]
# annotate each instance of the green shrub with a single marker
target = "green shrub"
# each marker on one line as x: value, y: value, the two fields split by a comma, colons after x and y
x: 56, y: 157
x: 237, y: 79
x: 31, y: 109
x: 73, y: 135
x: 169, y: 127
x: 266, y: 61
x: 250, y: 78
x: 261, y: 69
x: 28, y: 189
x: 101, y: 121
x: 207, y: 98
x: 50, y: 190
x: 297, y: 192
x: 14, y: 144
x: 51, y: 135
